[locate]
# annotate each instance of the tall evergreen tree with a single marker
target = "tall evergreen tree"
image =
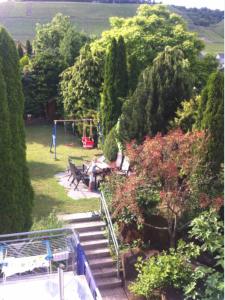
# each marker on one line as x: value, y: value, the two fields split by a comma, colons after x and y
x: 160, y: 90
x: 122, y: 75
x: 109, y: 99
x: 169, y: 84
x: 20, y: 50
x: 211, y: 116
x: 8, y: 207
x: 115, y: 86
x: 21, y: 187
x: 29, y: 48
x: 133, y: 73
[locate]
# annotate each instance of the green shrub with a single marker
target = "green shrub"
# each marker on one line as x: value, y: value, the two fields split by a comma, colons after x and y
x: 110, y: 146
x: 49, y: 222
x: 24, y: 61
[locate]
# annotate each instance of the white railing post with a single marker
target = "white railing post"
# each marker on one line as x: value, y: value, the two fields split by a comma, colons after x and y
x: 61, y: 283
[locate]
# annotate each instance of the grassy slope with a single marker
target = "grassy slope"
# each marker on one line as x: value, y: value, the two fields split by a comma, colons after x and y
x: 213, y: 36
x: 20, y: 19
x: 48, y: 193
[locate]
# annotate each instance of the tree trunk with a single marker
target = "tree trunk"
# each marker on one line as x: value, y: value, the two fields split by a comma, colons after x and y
x: 172, y: 233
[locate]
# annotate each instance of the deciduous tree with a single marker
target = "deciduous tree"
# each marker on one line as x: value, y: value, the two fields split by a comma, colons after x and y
x: 80, y: 85
x: 162, y: 167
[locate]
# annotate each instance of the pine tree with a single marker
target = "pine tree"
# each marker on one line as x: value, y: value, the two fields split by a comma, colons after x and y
x: 20, y: 50
x: 211, y: 111
x: 8, y: 207
x: 28, y: 48
x: 21, y: 187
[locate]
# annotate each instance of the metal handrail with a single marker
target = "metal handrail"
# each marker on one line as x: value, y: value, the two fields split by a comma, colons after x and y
x: 104, y: 207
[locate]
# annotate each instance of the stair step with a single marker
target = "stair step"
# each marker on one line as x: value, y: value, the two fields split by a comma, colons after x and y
x: 80, y: 217
x: 92, y: 235
x: 104, y: 272
x: 101, y: 262
x: 94, y: 244
x: 106, y: 283
x: 87, y: 226
x: 96, y: 253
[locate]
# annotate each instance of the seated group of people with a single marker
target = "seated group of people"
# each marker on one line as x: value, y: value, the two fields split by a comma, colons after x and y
x: 97, y: 169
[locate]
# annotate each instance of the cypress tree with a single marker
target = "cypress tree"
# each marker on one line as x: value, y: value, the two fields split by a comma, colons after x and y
x: 28, y: 48
x: 8, y: 207
x: 122, y: 75
x: 20, y: 50
x: 211, y: 112
x: 133, y: 73
x: 22, y: 187
x: 109, y: 105
x: 115, y: 84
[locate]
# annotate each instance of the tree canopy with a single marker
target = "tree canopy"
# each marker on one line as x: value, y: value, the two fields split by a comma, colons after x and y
x: 56, y: 46
x: 148, y: 33
x: 80, y: 85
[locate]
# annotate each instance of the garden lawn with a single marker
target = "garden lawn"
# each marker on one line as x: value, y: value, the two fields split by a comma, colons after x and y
x: 49, y: 195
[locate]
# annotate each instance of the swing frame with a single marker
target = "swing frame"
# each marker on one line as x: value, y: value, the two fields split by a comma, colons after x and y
x: 54, y: 131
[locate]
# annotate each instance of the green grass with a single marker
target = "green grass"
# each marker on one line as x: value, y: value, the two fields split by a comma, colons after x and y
x: 49, y: 195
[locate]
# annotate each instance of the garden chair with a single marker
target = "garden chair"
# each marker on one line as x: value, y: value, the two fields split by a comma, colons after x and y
x: 82, y: 168
x: 116, y: 165
x: 125, y: 168
x: 78, y: 176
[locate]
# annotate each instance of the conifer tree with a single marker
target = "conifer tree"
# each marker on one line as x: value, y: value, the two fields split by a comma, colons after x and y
x: 21, y: 187
x: 133, y: 72
x: 122, y: 76
x: 8, y: 207
x: 159, y: 92
x: 169, y: 84
x: 115, y: 84
x: 211, y: 112
x: 109, y: 98
x: 28, y: 48
x: 20, y: 50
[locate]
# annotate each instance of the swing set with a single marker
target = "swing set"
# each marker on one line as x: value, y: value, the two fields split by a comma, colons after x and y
x: 87, y: 141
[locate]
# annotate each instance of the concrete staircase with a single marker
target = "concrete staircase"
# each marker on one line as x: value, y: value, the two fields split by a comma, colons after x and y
x: 91, y: 231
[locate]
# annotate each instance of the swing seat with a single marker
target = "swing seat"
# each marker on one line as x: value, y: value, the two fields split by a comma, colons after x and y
x: 87, y: 142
